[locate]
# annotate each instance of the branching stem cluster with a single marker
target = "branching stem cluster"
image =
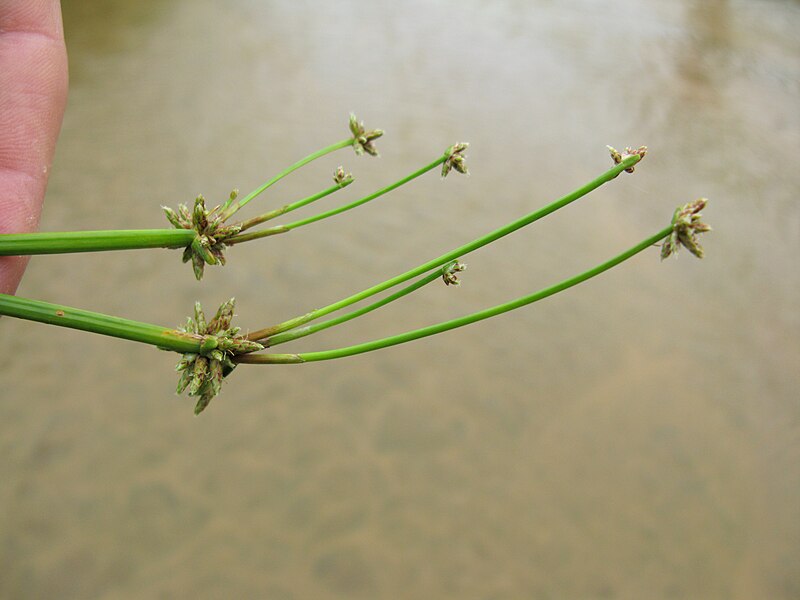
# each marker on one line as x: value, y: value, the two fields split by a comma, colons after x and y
x: 210, y: 351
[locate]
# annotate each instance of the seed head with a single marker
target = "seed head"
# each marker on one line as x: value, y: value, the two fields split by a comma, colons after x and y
x: 618, y: 157
x: 222, y: 320
x: 341, y: 178
x: 686, y: 227
x: 455, y: 159
x: 362, y: 139
x: 450, y: 272
x: 202, y: 372
x: 207, y: 248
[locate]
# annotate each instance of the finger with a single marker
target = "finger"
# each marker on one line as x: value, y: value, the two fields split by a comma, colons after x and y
x: 33, y: 89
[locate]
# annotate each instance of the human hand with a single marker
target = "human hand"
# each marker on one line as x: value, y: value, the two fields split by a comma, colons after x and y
x: 33, y: 93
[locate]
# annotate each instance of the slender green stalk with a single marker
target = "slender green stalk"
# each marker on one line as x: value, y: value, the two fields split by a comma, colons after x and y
x: 290, y: 207
x: 237, y: 239
x: 74, y: 318
x: 13, y: 244
x: 288, y: 336
x: 229, y: 208
x: 459, y: 322
x: 461, y: 251
x: 365, y: 199
x: 255, y: 235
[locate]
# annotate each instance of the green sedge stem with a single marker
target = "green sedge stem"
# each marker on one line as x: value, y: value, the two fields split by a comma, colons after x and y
x: 14, y: 244
x: 290, y: 207
x: 288, y: 336
x: 74, y: 318
x: 459, y: 322
x: 288, y: 227
x: 366, y: 199
x: 256, y: 235
x: 229, y: 208
x: 458, y: 252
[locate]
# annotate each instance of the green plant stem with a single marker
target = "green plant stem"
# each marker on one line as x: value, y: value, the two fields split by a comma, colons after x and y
x: 290, y: 207
x: 335, y: 211
x: 459, y: 252
x: 288, y: 336
x: 230, y: 207
x: 14, y: 244
x: 365, y: 199
x: 255, y: 235
x: 17, y: 244
x: 74, y: 318
x: 459, y: 322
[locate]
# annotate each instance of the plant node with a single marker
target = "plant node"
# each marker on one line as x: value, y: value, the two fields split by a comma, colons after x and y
x: 202, y: 372
x: 209, y: 225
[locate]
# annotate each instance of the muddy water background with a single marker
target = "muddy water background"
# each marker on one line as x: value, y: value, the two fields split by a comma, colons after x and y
x: 638, y: 436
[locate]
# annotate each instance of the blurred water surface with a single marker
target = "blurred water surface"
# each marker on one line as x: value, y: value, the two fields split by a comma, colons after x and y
x: 635, y: 437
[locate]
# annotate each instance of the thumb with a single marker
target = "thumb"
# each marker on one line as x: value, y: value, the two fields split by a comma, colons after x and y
x: 33, y: 91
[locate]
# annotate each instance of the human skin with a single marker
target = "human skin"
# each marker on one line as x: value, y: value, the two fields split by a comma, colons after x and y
x: 33, y: 93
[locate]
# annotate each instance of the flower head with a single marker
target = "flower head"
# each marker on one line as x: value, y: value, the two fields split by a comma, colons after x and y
x: 202, y: 372
x: 618, y: 157
x: 208, y: 246
x: 455, y: 159
x: 686, y: 226
x: 362, y: 139
x: 341, y: 178
x: 450, y: 272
